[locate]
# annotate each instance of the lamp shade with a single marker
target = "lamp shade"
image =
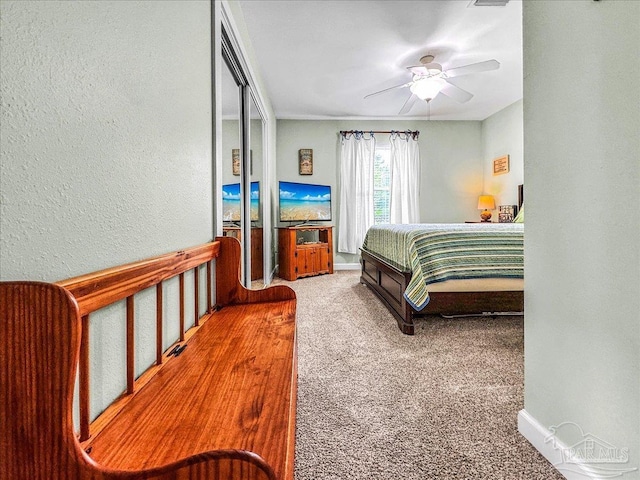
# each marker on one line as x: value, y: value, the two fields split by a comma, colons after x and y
x: 427, y: 88
x: 486, y: 202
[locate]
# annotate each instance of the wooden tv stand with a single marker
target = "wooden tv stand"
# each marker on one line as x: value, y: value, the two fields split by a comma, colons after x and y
x: 304, y: 251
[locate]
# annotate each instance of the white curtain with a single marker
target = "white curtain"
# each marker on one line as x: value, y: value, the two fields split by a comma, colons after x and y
x: 405, y: 179
x: 356, y: 191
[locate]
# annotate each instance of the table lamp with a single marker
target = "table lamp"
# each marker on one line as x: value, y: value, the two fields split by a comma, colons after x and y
x: 486, y: 203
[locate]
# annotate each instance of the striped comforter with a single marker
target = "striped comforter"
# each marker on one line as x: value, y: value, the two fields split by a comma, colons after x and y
x: 438, y: 252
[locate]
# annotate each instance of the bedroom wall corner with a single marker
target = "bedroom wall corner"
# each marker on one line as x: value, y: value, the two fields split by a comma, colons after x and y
x: 582, y: 243
x: 502, y: 134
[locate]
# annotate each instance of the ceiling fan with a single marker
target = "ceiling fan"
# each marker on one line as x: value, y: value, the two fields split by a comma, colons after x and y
x: 428, y: 79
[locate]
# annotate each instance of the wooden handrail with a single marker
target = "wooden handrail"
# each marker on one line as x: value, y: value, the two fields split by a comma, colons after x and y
x: 99, y: 289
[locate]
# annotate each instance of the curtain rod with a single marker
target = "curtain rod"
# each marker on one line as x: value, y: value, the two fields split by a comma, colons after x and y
x: 413, y: 133
x: 379, y: 131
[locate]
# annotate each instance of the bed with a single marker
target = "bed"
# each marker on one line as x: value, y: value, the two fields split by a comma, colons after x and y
x: 445, y: 269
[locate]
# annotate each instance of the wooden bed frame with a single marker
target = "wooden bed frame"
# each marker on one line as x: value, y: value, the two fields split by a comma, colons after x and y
x: 389, y: 284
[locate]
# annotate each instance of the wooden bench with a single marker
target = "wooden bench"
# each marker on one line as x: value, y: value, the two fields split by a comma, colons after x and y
x: 223, y: 408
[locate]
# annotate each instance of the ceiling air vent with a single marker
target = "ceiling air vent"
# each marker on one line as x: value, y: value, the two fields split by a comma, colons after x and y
x: 488, y: 3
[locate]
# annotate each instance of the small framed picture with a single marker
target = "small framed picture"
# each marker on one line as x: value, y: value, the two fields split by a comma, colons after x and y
x: 235, y: 161
x: 306, y: 161
x: 501, y: 165
x: 507, y: 213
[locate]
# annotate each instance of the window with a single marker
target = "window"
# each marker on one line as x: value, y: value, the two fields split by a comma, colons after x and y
x: 381, y: 184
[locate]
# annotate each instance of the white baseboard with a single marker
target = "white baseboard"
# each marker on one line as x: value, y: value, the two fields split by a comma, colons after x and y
x: 346, y: 266
x: 572, y: 468
x: 538, y: 435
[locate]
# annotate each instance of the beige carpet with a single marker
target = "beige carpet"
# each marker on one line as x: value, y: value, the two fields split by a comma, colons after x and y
x: 376, y: 404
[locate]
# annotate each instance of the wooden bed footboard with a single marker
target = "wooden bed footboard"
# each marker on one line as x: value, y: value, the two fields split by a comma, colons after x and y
x: 389, y: 284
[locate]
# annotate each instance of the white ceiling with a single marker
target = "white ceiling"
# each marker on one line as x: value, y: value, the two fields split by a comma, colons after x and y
x: 319, y: 58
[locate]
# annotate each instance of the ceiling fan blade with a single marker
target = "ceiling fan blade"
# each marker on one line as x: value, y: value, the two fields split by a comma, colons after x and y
x: 408, y: 104
x: 473, y: 68
x: 456, y: 93
x: 387, y: 89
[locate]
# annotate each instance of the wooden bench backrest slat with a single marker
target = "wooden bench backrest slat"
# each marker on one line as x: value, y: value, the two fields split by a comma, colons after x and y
x: 159, y: 346
x: 83, y: 377
x: 181, y: 281
x: 131, y: 363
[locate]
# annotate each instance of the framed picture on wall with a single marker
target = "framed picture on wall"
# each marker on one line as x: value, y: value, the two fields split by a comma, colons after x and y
x: 305, y: 157
x: 235, y: 161
x: 501, y: 165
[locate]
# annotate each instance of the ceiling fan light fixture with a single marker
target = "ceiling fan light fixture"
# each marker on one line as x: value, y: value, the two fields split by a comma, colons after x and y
x: 433, y: 68
x: 427, y: 88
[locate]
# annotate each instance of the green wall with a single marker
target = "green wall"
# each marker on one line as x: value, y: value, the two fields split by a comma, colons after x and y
x: 451, y: 155
x: 502, y: 134
x: 106, y: 152
x: 582, y: 246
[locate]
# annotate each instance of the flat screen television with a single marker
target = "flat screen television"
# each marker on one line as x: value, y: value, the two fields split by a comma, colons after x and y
x: 231, y: 202
x: 304, y: 202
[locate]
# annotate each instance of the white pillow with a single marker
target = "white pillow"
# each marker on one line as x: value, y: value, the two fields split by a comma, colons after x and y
x: 520, y: 217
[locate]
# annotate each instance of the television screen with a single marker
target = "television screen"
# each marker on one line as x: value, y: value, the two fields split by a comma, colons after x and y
x: 302, y: 202
x: 231, y: 202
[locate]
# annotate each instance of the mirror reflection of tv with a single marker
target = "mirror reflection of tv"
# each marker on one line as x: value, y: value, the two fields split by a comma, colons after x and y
x: 304, y: 202
x: 231, y: 202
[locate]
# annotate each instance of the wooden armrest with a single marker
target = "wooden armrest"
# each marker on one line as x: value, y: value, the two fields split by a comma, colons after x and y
x: 229, y: 290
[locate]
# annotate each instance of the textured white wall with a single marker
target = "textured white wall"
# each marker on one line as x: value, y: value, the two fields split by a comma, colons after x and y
x: 502, y: 134
x: 105, y: 148
x: 106, y: 137
x: 451, y: 155
x: 582, y: 247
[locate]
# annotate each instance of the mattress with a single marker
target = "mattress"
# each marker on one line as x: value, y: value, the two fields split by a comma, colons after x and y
x: 436, y: 253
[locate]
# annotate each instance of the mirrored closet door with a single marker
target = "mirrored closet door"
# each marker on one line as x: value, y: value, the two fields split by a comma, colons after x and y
x: 230, y: 197
x: 258, y: 190
x: 243, y: 189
